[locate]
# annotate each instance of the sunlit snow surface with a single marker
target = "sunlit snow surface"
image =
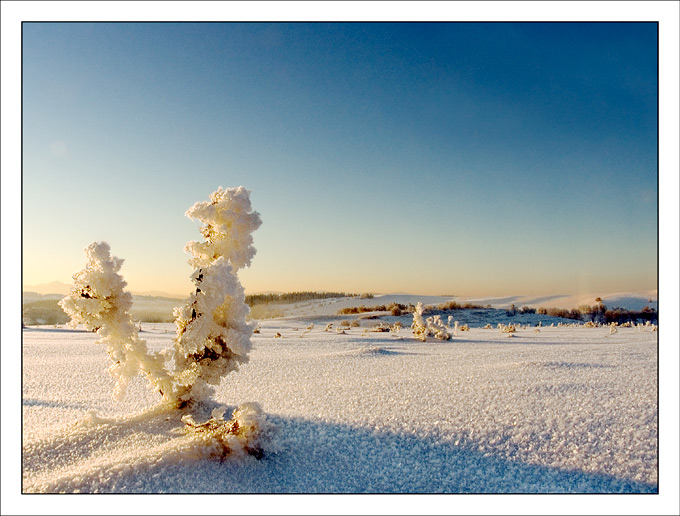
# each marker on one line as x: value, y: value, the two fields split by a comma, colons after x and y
x: 559, y: 410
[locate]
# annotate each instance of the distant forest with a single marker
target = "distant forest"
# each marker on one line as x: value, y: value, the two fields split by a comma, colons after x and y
x: 295, y: 297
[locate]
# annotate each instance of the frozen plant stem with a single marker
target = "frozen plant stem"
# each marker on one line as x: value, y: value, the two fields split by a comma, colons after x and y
x: 432, y: 326
x: 99, y: 302
x: 213, y: 336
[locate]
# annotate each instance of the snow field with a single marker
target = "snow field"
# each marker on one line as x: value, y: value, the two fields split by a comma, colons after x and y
x: 563, y: 410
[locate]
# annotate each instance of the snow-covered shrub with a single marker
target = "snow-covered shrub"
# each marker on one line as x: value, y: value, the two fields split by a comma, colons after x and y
x: 432, y: 326
x: 437, y: 328
x: 309, y: 328
x: 510, y: 328
x: 229, y: 222
x: 248, y: 431
x: 213, y: 335
x: 418, y: 325
x: 99, y: 302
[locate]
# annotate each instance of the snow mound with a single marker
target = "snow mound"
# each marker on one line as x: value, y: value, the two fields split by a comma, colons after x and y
x: 376, y: 351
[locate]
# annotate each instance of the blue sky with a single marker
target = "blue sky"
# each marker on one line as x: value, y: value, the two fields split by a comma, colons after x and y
x: 438, y: 158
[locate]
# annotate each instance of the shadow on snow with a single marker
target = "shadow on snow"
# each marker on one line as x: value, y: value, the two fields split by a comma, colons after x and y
x: 29, y: 402
x: 317, y: 457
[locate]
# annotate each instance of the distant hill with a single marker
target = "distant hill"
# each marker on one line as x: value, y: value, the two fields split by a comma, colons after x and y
x: 633, y: 301
x: 625, y: 300
x: 157, y: 306
x: 57, y: 287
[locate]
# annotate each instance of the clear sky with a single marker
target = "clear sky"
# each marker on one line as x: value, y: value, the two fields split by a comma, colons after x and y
x: 462, y: 159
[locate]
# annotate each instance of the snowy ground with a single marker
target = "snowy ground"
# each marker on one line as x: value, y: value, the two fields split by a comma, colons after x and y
x: 562, y: 410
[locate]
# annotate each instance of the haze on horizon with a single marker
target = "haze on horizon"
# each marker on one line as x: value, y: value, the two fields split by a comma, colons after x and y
x: 467, y: 159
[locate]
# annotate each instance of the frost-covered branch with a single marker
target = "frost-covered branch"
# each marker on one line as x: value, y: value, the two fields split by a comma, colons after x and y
x: 99, y: 302
x: 213, y: 337
x: 432, y: 326
x: 228, y: 223
x: 248, y: 431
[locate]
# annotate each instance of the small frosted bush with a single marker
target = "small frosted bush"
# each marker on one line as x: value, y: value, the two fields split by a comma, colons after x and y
x: 247, y: 431
x: 99, y: 302
x: 418, y: 326
x: 213, y: 334
x: 309, y: 328
x: 228, y: 223
x: 432, y: 326
x: 213, y: 337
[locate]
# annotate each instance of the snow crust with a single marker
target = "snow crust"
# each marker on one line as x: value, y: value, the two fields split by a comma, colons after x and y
x: 544, y: 410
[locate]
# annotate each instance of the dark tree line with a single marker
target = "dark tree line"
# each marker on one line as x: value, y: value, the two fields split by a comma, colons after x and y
x: 601, y: 314
x: 292, y: 297
x: 395, y: 309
